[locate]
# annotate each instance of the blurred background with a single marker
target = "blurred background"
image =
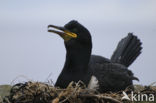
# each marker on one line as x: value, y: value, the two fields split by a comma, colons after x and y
x: 27, y: 49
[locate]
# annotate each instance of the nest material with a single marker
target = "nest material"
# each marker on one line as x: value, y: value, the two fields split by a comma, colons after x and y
x: 37, y: 92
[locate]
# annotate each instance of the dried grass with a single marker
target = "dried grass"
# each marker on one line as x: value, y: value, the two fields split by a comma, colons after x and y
x: 37, y: 92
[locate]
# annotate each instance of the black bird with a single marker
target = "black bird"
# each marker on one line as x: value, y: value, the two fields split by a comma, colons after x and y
x: 95, y: 71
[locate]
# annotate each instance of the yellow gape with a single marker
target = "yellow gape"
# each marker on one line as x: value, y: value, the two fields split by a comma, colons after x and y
x: 73, y: 35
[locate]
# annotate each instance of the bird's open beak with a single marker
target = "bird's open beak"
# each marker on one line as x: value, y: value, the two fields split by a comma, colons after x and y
x: 64, y: 33
x: 135, y: 78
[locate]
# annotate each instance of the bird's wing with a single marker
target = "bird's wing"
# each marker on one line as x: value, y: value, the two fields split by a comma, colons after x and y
x: 98, y: 59
x: 128, y: 49
x: 112, y: 76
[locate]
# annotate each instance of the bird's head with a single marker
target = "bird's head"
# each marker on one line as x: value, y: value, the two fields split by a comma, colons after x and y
x: 73, y: 33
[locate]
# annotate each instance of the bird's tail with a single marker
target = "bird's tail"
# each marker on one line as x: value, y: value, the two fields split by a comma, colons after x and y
x: 128, y: 49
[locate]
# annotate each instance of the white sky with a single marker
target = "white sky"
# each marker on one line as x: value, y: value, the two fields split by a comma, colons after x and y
x: 26, y: 48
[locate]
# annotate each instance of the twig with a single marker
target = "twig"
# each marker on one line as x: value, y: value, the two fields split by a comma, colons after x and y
x: 152, y: 84
x: 99, y: 97
x: 73, y: 93
x: 20, y: 76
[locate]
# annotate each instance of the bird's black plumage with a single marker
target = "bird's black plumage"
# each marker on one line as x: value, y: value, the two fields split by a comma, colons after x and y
x: 112, y: 74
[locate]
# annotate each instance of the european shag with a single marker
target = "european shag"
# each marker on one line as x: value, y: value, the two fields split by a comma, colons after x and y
x: 95, y: 71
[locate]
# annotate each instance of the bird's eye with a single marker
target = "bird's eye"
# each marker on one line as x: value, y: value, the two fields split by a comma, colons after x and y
x: 74, y: 30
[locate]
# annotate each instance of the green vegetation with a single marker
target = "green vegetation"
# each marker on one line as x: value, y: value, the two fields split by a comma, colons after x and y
x: 4, y: 90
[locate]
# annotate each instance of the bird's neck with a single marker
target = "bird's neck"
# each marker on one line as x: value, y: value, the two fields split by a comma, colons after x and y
x: 77, y: 59
x: 75, y: 67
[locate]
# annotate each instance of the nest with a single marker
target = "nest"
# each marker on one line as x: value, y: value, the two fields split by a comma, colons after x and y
x: 37, y: 92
